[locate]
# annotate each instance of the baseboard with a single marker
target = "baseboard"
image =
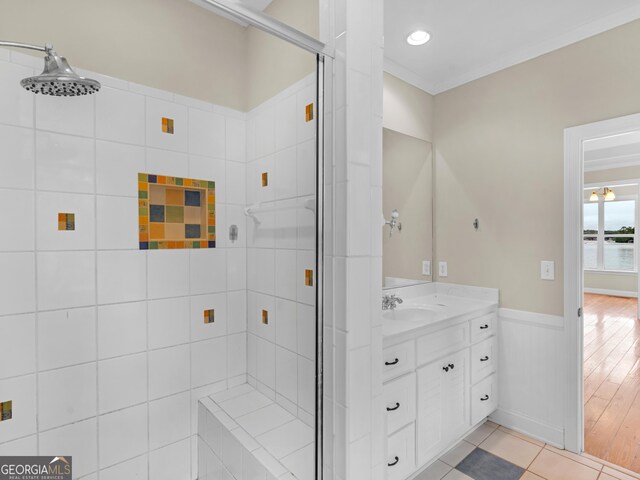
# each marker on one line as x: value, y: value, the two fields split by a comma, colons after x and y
x: 550, y: 434
x: 613, y: 293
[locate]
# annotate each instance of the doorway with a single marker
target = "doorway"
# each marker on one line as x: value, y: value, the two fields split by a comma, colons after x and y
x: 602, y: 172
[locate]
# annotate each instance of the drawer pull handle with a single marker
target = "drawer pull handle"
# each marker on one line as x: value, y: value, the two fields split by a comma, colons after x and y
x: 395, y: 362
x: 395, y: 462
x: 485, y: 398
x: 484, y: 327
x: 446, y: 369
x: 485, y: 358
x: 451, y: 366
x: 391, y: 409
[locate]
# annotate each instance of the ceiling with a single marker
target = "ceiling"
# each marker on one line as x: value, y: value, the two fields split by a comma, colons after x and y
x: 612, y: 152
x: 474, y: 38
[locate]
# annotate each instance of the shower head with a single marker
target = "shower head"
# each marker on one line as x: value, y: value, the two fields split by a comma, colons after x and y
x: 58, y: 78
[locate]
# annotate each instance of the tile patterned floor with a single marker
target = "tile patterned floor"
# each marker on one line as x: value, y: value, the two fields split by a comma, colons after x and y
x: 493, y: 452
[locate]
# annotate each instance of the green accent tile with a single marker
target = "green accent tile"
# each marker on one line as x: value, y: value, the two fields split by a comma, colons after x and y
x: 143, y: 194
x: 153, y: 245
x: 196, y: 244
x: 212, y: 185
x: 179, y: 181
x: 143, y: 177
x: 174, y: 214
x: 212, y: 230
x: 144, y: 212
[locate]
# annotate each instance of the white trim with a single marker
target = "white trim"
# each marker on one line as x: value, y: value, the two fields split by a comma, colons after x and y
x: 573, y: 272
x: 613, y: 293
x: 406, y: 75
x: 611, y: 272
x: 550, y: 434
x: 532, y: 317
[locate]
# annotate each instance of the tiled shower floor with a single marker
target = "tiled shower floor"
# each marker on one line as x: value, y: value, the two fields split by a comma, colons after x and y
x: 496, y: 453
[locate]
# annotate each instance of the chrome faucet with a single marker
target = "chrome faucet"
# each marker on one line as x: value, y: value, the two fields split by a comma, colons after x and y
x: 390, y: 302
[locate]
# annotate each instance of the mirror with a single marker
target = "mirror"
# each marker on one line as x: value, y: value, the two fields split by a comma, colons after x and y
x: 407, y: 208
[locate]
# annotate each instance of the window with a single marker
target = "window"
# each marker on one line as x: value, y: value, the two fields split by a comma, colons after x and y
x: 610, y: 234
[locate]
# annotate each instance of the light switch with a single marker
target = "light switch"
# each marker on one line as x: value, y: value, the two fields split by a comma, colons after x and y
x: 426, y: 267
x: 547, y: 270
x: 442, y: 269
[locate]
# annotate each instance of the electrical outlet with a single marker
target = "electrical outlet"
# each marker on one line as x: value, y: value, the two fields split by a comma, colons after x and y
x: 547, y: 270
x: 426, y: 267
x: 442, y: 269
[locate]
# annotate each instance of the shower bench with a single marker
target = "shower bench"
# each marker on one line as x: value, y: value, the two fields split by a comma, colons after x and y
x: 244, y: 435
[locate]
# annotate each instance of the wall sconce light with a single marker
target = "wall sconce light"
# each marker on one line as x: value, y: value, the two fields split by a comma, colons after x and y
x: 607, y: 194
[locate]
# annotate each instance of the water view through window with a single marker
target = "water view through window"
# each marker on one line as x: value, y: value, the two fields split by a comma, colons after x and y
x: 617, y: 243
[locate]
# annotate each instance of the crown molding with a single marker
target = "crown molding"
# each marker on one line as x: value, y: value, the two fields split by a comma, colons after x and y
x: 406, y: 75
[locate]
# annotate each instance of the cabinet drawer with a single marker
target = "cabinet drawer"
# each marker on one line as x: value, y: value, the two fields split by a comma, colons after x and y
x: 401, y: 453
x: 483, y: 327
x: 398, y: 360
x: 400, y: 402
x: 484, y: 399
x: 442, y: 342
x: 484, y: 358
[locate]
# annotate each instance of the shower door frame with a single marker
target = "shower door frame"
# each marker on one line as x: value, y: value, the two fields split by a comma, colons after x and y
x: 291, y: 35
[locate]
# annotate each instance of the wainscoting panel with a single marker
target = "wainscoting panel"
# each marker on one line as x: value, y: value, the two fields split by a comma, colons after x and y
x: 531, y: 375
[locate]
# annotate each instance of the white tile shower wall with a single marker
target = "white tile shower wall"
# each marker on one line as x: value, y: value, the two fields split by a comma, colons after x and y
x: 281, y: 247
x: 103, y: 347
x: 353, y: 263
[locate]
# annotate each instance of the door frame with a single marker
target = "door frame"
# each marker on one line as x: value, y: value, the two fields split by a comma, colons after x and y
x: 574, y: 138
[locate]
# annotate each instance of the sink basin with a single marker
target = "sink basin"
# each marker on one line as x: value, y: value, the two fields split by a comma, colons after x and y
x: 410, y: 314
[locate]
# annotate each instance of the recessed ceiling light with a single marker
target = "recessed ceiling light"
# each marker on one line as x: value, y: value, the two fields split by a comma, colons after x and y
x: 419, y: 37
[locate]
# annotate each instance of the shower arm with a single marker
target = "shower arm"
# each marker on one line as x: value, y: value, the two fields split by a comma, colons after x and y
x: 46, y: 49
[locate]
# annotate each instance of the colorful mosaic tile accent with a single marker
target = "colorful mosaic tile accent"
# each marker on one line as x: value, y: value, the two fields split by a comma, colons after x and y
x: 176, y: 212
x: 265, y: 317
x: 265, y: 179
x: 308, y: 112
x: 209, y: 316
x: 167, y: 125
x: 66, y: 221
x: 308, y: 278
x: 6, y: 411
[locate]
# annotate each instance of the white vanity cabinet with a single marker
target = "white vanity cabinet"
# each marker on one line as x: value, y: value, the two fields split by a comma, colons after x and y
x: 439, y: 384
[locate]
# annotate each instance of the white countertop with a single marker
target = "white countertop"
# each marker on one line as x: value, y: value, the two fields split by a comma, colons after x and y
x: 420, y: 314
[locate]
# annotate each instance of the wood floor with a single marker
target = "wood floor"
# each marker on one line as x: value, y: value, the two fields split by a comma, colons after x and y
x: 612, y: 380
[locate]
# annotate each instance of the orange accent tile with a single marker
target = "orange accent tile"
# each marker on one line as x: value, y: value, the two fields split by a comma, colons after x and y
x: 162, y: 179
x: 157, y: 231
x: 187, y: 182
x: 174, y: 196
x: 144, y: 186
x: 167, y: 125
x: 308, y: 112
x: 308, y: 278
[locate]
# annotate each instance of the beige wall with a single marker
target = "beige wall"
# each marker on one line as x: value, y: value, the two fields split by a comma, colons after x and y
x: 407, y: 187
x: 612, y: 175
x: 173, y: 45
x: 273, y: 64
x: 606, y: 281
x: 499, y: 157
x: 407, y: 109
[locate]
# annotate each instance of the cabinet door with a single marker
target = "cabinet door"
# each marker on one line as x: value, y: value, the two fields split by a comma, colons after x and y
x: 443, y: 404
